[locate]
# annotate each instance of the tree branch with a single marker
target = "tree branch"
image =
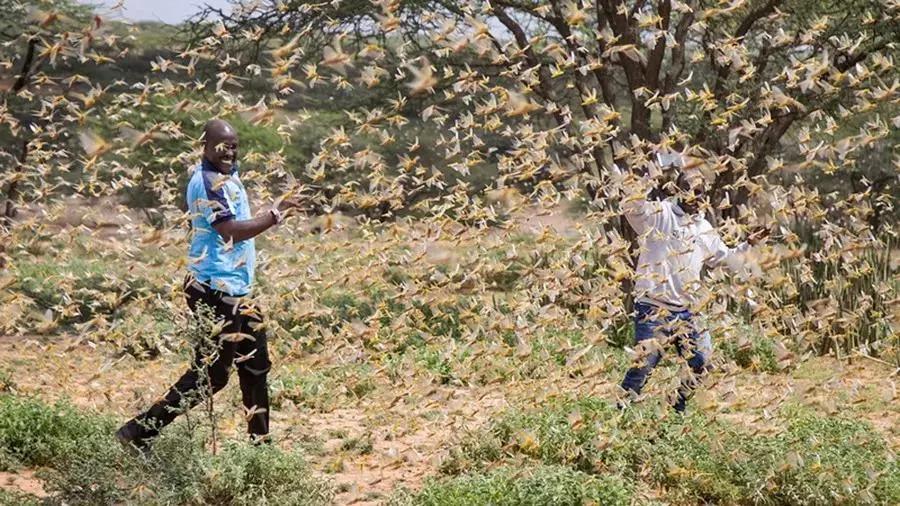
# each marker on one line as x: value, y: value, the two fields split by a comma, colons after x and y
x: 565, y: 32
x: 25, y: 72
x: 755, y: 16
x: 654, y: 62
x: 678, y: 51
x: 530, y: 57
x: 634, y: 70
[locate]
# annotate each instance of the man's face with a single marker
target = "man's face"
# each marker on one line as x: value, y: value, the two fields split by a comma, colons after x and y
x: 690, y: 191
x: 221, y: 149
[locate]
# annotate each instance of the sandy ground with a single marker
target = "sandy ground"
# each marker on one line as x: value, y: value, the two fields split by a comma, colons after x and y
x: 410, y: 426
x: 409, y: 423
x: 23, y: 481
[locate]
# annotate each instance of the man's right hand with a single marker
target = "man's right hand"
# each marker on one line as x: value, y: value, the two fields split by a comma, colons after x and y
x: 294, y: 204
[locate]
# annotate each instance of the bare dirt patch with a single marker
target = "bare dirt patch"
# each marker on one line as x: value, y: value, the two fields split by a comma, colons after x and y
x: 23, y: 481
x: 398, y: 434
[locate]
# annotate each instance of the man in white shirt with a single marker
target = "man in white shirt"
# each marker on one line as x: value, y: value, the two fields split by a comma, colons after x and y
x: 675, y: 241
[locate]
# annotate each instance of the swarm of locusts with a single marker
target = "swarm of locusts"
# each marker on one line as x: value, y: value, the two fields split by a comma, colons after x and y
x: 482, y: 117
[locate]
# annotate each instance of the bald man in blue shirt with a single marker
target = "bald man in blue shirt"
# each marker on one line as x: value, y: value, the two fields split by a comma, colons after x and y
x: 222, y: 259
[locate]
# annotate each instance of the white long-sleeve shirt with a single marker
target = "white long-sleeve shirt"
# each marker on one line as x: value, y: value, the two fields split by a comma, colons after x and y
x: 674, y: 246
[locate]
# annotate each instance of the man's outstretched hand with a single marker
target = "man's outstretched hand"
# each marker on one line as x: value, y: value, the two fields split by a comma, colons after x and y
x: 295, y: 203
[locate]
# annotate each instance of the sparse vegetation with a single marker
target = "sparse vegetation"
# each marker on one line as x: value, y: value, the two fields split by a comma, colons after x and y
x: 810, y: 460
x: 83, y: 464
x: 450, y: 317
x: 522, y: 486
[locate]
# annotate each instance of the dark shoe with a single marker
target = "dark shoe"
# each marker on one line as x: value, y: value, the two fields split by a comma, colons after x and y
x: 129, y: 435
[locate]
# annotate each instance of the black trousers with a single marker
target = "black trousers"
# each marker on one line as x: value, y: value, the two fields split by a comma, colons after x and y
x: 242, y: 341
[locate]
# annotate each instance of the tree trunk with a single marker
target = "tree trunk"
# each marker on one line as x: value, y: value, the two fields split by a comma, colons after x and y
x: 12, y: 190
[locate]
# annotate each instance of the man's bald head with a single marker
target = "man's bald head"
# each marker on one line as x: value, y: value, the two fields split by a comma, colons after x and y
x: 220, y: 145
x: 217, y: 127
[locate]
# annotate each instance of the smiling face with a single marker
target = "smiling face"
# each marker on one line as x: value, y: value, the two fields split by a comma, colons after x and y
x: 221, y: 146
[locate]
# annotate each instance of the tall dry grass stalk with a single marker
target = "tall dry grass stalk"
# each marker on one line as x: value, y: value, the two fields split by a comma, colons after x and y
x: 841, y: 294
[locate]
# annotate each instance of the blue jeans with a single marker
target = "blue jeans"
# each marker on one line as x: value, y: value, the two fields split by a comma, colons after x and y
x: 667, y: 327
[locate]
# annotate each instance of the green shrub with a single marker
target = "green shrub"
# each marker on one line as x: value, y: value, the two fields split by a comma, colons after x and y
x: 751, y: 351
x: 14, y: 498
x: 7, y: 382
x: 310, y: 390
x: 144, y: 332
x: 436, y: 361
x: 621, y: 333
x: 345, y: 307
x: 561, y: 434
x: 85, y: 465
x: 503, y: 277
x: 84, y: 288
x: 815, y: 460
x: 840, y: 459
x: 243, y: 474
x: 36, y: 434
x: 864, y: 315
x: 443, y: 319
x: 535, y: 486
x: 7, y: 461
x: 93, y: 471
x: 359, y: 445
x: 180, y: 471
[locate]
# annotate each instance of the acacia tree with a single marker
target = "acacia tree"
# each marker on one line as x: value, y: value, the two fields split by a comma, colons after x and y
x: 768, y: 96
x: 549, y: 95
x: 40, y: 41
x: 724, y: 81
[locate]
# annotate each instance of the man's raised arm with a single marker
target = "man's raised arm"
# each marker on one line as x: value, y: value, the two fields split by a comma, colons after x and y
x: 241, y: 230
x: 642, y: 214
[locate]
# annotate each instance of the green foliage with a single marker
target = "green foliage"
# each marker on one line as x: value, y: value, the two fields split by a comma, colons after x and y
x: 540, y: 355
x: 7, y: 461
x: 95, y: 470
x: 545, y: 435
x: 622, y: 333
x: 437, y: 363
x: 36, y: 434
x: 157, y: 159
x: 143, y: 334
x: 243, y: 474
x: 815, y: 460
x: 7, y: 382
x: 86, y: 466
x: 533, y: 486
x: 13, y: 498
x: 751, y: 350
x: 16, y: 19
x: 148, y: 35
x: 75, y: 288
x: 504, y: 276
x: 358, y: 445
x: 346, y: 306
